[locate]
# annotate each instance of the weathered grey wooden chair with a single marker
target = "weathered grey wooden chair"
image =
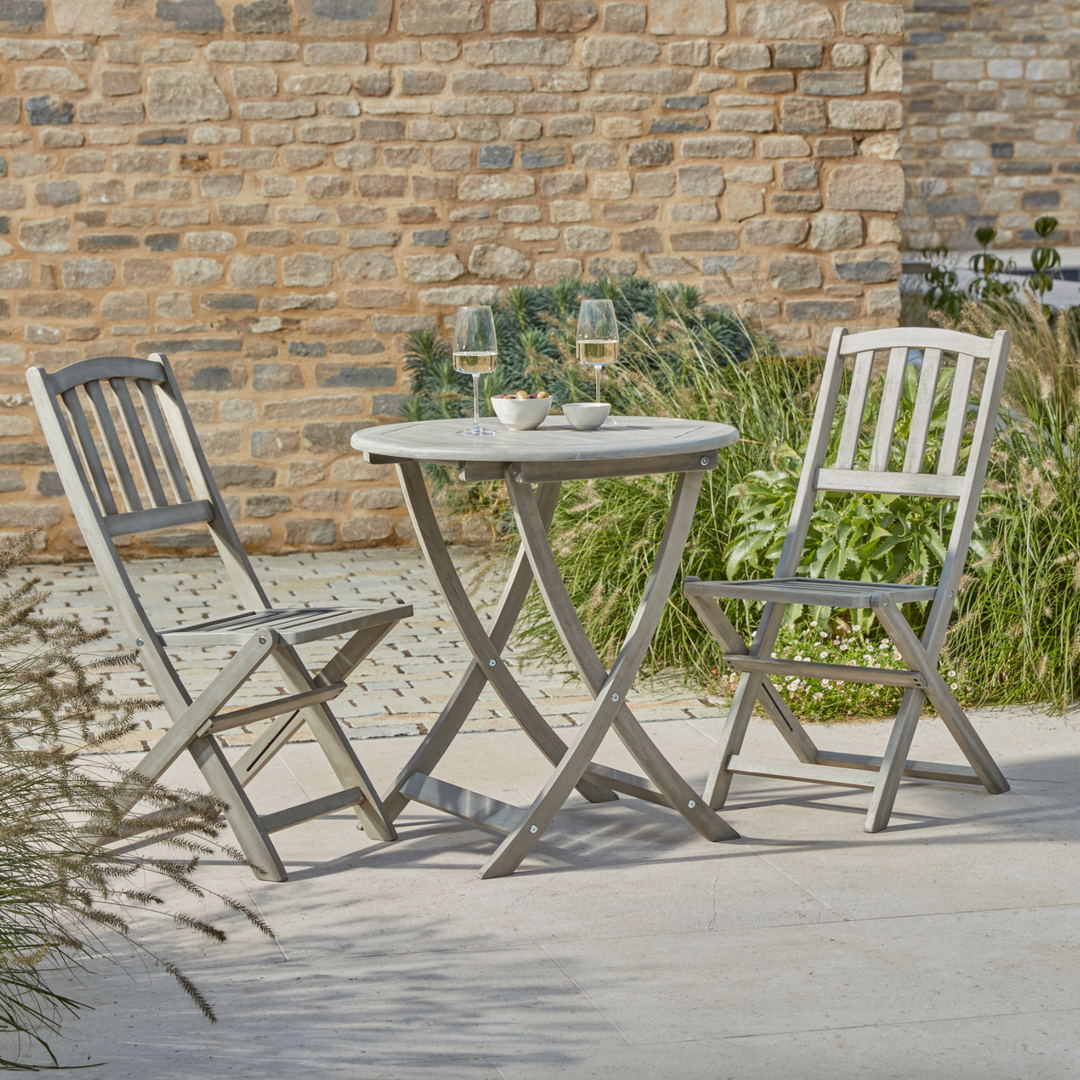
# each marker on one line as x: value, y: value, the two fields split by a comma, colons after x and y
x: 949, y: 360
x: 108, y: 501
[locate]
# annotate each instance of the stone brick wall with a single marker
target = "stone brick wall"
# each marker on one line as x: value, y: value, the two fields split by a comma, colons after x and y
x: 274, y: 192
x: 992, y: 103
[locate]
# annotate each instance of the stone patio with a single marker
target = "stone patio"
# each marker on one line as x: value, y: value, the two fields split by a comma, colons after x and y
x: 626, y: 947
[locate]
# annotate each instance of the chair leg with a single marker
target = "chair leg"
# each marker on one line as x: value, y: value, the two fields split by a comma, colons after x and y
x: 337, y: 748
x: 891, y: 770
x: 718, y: 785
x: 253, y: 839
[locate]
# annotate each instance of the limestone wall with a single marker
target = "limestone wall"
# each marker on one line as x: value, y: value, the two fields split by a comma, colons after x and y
x: 274, y: 192
x: 992, y: 102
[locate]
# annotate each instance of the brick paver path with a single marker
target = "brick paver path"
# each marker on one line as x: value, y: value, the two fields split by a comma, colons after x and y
x: 398, y: 690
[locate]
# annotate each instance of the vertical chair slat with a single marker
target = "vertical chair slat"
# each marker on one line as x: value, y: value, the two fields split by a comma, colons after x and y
x: 959, y: 404
x: 113, y: 447
x: 890, y: 409
x: 856, y: 407
x: 923, y: 412
x: 164, y: 440
x: 137, y: 439
x: 91, y: 457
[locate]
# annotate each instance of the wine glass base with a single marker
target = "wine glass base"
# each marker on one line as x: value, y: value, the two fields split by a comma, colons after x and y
x: 476, y: 429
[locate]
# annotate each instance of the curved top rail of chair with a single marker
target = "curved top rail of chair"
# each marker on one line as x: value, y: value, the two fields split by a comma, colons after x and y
x: 104, y: 368
x: 554, y: 441
x: 919, y: 337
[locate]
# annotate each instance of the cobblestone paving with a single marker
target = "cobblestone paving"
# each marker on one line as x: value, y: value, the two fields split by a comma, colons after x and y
x: 398, y: 690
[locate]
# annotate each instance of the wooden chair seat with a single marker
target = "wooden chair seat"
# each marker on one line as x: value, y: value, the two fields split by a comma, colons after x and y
x: 942, y: 454
x: 295, y: 626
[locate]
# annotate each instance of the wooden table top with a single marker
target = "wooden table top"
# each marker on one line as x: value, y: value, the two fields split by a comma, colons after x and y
x: 555, y: 440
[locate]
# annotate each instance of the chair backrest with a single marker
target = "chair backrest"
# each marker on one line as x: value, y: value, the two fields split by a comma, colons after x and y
x: 955, y: 381
x: 130, y: 461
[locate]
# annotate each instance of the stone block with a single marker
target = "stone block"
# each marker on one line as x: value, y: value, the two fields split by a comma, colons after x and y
x: 650, y: 154
x: 860, y: 18
x: 655, y: 185
x: 791, y: 272
x: 679, y: 17
x: 127, y: 304
x: 247, y: 476
x: 306, y: 532
x: 300, y: 408
x: 646, y: 241
x: 326, y: 83
x: 381, y: 185
x: 719, y: 146
x: 424, y: 269
x: 508, y: 16
x: 568, y: 16
x: 622, y: 127
x: 425, y: 17
x: 605, y: 52
x: 16, y: 274
x: 306, y: 268
x: 458, y: 295
x: 274, y: 443
x: 742, y: 203
x: 689, y: 53
x: 867, y: 265
x: 866, y: 115
x: 745, y: 120
x: 778, y: 20
x: 366, y: 238
x: 696, y: 181
x: 262, y: 17
x: 865, y: 187
x: 625, y: 18
x: 84, y: 273
x: 792, y: 202
x: 802, y: 116
x: 495, y: 156
x: 519, y: 52
x: 596, y: 155
x: 483, y: 188
x: 45, y: 236
x: 145, y: 272
x: 120, y: 82
x: 368, y: 528
x: 252, y: 271
x: 830, y: 231
x: 497, y: 261
x: 705, y: 240
x: 781, y: 146
x: 57, y: 193
x: 799, y: 54
x: 388, y: 404
x: 587, y: 238
x: 847, y: 55
x: 364, y: 267
x: 332, y: 436
x: 799, y: 175
x: 333, y: 374
x: 772, y: 231
x: 565, y: 210
x: 25, y: 453
x: 481, y: 131
x: 833, y: 83
x: 191, y: 16
x: 49, y: 109
x: 184, y: 97
x: 416, y: 81
x: 886, y: 69
x: 820, y: 309
x: 551, y: 270
x: 244, y: 213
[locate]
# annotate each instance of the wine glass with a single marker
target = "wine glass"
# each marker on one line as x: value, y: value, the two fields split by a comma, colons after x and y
x: 597, y: 338
x: 475, y: 350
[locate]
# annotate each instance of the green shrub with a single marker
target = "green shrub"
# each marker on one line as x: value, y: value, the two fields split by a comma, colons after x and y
x: 61, y: 896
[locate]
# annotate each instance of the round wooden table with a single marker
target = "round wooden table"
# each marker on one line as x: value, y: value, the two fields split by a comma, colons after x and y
x: 546, y: 457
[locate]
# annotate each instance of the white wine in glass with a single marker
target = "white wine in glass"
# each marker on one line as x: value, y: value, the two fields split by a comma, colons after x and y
x: 597, y: 338
x: 475, y: 353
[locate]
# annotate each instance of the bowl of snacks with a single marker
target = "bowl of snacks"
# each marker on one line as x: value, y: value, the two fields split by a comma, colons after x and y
x: 522, y: 411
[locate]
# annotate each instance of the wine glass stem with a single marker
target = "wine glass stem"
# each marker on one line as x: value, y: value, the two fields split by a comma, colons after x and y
x: 596, y: 368
x: 476, y: 400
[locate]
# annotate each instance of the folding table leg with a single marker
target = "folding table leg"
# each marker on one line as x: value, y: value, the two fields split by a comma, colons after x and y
x: 611, y: 689
x: 487, y: 665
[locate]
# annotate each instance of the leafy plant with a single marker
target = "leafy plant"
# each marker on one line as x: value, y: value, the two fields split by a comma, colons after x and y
x: 944, y: 293
x: 988, y: 285
x: 1045, y: 259
x: 62, y: 896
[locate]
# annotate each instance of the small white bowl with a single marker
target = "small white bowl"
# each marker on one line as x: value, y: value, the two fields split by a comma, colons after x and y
x: 521, y: 414
x: 586, y: 415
